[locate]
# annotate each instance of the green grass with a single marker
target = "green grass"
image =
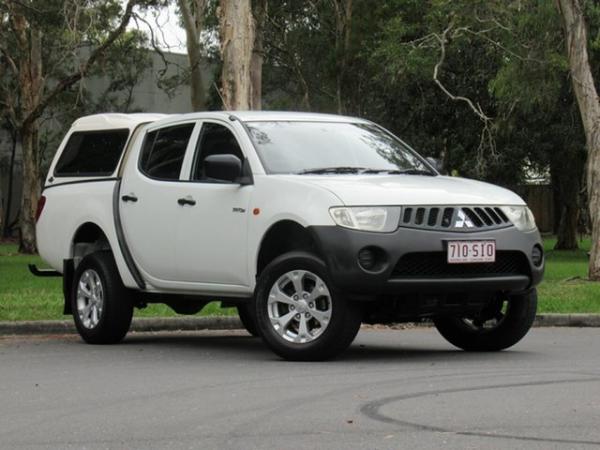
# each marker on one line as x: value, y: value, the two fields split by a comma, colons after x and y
x: 565, y: 288
x: 25, y: 297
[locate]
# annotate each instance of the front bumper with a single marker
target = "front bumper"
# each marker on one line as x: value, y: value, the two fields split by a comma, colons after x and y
x: 340, y: 248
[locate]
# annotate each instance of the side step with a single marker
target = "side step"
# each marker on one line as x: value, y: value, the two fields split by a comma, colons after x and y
x: 43, y: 272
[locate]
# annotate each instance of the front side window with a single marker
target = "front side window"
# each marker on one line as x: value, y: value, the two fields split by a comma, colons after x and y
x: 163, y: 151
x: 214, y: 139
x: 91, y: 153
x: 331, y: 147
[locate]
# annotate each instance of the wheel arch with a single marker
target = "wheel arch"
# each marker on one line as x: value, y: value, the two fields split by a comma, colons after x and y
x: 88, y: 238
x: 281, y: 237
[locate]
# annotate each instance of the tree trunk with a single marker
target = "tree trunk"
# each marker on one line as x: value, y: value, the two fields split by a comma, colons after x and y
x: 31, y: 188
x: 565, y: 183
x: 256, y: 63
x: 2, y: 221
x: 567, y: 228
x: 589, y: 108
x: 343, y: 22
x: 237, y: 41
x: 193, y: 21
x: 31, y: 85
x: 6, y: 230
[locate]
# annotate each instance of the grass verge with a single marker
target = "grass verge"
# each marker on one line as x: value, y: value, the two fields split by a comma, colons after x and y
x: 25, y: 297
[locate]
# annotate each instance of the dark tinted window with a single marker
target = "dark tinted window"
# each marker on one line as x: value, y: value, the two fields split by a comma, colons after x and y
x: 215, y: 139
x: 91, y: 153
x: 163, y: 152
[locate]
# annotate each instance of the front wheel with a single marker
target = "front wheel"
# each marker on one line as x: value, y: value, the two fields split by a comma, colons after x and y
x: 300, y: 314
x: 500, y: 325
x: 101, y: 305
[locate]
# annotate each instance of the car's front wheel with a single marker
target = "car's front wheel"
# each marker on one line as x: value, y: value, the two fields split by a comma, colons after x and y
x: 300, y: 313
x: 101, y: 305
x: 500, y: 325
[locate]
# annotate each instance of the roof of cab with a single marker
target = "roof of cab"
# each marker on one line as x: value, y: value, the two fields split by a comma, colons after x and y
x: 256, y: 116
x: 115, y: 120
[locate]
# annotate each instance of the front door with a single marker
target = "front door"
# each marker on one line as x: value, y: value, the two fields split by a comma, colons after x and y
x: 212, y: 228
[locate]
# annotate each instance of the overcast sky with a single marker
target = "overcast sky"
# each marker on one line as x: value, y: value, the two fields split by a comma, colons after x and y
x: 165, y: 25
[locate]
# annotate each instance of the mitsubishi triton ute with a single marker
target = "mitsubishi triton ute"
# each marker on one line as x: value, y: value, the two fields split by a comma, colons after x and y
x: 309, y: 224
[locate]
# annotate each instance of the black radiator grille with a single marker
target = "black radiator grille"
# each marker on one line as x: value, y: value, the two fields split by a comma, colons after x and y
x: 454, y: 218
x: 435, y: 265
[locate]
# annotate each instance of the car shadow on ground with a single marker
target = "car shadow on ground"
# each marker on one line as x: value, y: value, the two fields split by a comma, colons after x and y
x: 243, y: 346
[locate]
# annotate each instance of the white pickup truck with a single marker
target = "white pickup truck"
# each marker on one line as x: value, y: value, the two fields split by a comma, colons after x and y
x: 309, y: 224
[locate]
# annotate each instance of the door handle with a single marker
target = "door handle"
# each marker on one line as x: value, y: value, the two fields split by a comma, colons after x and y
x: 129, y: 198
x: 186, y: 201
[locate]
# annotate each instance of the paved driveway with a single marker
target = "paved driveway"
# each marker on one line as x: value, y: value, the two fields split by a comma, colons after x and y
x: 392, y: 389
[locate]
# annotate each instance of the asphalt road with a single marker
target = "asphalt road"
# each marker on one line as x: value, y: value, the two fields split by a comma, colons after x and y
x: 392, y: 389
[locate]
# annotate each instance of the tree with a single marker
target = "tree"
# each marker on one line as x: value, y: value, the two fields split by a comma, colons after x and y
x: 575, y: 30
x: 343, y: 32
x: 193, y: 14
x: 41, y: 59
x: 260, y: 12
x: 237, y: 33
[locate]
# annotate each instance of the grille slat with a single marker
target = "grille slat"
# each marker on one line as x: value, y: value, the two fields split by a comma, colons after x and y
x: 454, y: 218
x: 435, y: 265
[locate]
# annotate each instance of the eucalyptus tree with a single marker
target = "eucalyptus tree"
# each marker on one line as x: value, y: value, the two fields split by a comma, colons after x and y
x: 576, y: 43
x: 46, y: 48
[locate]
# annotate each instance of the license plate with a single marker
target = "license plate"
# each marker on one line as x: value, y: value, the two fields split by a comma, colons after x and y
x: 465, y: 252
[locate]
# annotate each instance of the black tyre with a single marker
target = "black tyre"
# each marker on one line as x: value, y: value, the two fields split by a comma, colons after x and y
x: 300, y: 314
x: 248, y: 318
x: 501, y: 325
x: 101, y: 305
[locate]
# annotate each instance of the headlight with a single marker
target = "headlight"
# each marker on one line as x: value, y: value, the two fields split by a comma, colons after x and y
x: 382, y: 219
x: 520, y: 216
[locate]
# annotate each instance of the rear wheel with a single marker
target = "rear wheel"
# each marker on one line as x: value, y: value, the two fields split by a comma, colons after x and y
x: 500, y: 325
x: 101, y: 305
x: 300, y: 314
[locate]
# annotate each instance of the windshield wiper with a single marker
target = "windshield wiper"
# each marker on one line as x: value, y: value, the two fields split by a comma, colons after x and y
x: 324, y: 170
x: 364, y: 170
x: 400, y: 172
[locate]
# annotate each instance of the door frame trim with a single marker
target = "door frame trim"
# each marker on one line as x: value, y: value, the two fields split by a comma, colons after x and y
x: 135, y: 273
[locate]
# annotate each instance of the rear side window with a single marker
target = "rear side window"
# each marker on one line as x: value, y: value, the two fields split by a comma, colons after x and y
x: 164, y: 150
x: 91, y: 153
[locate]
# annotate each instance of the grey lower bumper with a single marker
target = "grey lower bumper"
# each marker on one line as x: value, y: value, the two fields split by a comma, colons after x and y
x: 340, y: 248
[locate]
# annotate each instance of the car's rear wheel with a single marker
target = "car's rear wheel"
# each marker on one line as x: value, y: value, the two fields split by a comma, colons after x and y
x: 300, y: 314
x: 502, y: 324
x: 101, y: 305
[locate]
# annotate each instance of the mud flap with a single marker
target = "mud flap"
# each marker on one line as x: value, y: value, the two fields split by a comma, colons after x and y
x: 68, y: 271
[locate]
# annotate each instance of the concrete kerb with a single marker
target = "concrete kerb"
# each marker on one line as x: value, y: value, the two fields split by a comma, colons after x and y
x: 233, y: 323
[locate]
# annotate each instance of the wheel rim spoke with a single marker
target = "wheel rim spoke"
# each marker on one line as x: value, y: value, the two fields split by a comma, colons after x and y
x: 303, y: 333
x: 299, y: 306
x: 277, y: 295
x: 297, y: 278
x: 320, y: 316
x: 283, y: 321
x: 90, y: 298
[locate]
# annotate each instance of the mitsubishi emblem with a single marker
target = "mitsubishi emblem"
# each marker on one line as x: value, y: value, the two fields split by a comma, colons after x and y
x: 462, y: 221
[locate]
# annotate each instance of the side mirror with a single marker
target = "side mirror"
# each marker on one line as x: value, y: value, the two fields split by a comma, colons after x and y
x: 223, y: 167
x: 436, y: 163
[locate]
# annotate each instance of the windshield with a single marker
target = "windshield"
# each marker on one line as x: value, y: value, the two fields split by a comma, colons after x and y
x: 332, y: 147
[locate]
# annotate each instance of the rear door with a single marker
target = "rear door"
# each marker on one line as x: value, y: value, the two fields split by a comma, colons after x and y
x: 148, y: 205
x: 212, y: 230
